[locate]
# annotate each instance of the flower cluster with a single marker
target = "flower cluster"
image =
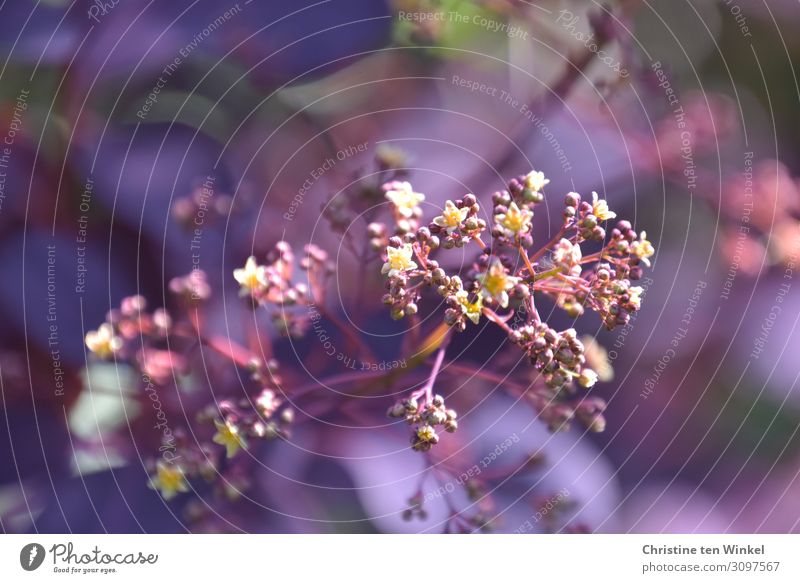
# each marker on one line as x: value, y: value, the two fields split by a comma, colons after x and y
x: 131, y: 321
x: 425, y: 417
x: 231, y: 426
x: 505, y: 278
x: 237, y: 422
x: 271, y: 284
x: 158, y: 348
x: 559, y: 356
x: 399, y: 267
x: 513, y: 209
x: 582, y: 267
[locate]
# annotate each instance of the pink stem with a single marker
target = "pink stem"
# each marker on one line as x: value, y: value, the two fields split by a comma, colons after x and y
x: 427, y: 389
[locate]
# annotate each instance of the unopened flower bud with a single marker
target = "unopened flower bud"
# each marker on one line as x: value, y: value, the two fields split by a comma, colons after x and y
x: 572, y: 199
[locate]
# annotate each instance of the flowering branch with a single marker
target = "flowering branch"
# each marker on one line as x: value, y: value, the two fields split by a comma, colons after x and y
x: 500, y: 284
x: 494, y: 288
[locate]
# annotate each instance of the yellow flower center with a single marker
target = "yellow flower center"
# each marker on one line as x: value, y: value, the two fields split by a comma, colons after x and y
x: 102, y: 341
x: 249, y: 277
x: 514, y: 219
x: 169, y: 478
x: 251, y: 280
x: 451, y: 215
x: 472, y: 310
x: 426, y: 433
x: 643, y: 249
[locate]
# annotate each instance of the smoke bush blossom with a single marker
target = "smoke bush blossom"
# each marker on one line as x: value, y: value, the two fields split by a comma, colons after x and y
x: 498, y: 284
x: 503, y: 281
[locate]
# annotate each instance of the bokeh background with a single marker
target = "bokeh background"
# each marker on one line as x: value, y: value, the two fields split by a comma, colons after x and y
x: 683, y: 113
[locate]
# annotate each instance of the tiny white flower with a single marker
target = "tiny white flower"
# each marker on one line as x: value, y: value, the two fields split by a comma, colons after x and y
x: 451, y: 217
x: 252, y: 277
x: 600, y: 208
x: 102, y: 341
x: 403, y: 197
x: 536, y: 181
x: 471, y: 310
x: 588, y: 378
x: 399, y: 259
x: 515, y: 221
x: 496, y: 283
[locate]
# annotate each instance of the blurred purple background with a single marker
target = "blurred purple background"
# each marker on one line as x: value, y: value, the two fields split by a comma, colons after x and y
x: 703, y: 408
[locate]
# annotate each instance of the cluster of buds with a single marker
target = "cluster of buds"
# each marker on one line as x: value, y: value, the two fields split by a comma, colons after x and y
x: 183, y: 459
x: 191, y: 289
x: 461, y: 304
x: 610, y: 291
x: 264, y: 373
x: 271, y: 282
x: 235, y: 424
x: 425, y: 417
x: 131, y: 321
x: 415, y: 508
x: 589, y: 411
x: 559, y: 406
x: 616, y: 298
x: 559, y: 356
x: 558, y: 412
